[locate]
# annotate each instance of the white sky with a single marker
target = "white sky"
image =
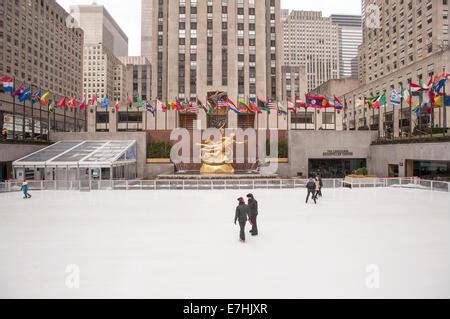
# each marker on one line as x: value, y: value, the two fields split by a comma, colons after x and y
x: 127, y: 13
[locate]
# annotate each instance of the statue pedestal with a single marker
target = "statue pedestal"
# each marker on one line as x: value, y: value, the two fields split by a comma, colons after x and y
x: 219, y: 169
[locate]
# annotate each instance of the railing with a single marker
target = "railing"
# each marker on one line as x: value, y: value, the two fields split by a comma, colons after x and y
x: 202, y: 184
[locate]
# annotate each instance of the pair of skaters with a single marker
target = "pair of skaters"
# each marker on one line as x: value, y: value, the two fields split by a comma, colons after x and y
x: 314, y: 187
x: 247, y: 212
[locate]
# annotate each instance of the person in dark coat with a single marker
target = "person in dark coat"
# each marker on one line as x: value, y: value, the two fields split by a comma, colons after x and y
x: 311, y: 186
x: 242, y: 213
x: 253, y: 206
x: 24, y: 189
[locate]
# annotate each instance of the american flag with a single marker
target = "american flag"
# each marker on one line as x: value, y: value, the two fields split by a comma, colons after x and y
x: 271, y: 105
x: 193, y: 108
x: 221, y: 103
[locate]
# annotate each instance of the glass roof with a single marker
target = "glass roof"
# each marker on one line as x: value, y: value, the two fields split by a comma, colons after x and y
x: 82, y: 153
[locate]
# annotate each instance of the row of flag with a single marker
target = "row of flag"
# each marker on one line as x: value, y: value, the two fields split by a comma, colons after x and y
x: 429, y: 95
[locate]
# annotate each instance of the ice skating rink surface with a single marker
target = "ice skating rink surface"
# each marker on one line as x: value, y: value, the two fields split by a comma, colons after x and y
x: 363, y: 243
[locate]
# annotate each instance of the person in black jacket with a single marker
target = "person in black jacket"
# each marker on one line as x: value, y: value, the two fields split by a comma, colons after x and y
x: 242, y: 213
x: 311, y: 186
x: 253, y: 206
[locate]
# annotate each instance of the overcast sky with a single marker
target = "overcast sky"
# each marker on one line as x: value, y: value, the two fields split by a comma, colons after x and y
x: 127, y: 13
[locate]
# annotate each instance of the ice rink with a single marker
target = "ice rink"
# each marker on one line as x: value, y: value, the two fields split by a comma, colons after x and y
x: 367, y: 243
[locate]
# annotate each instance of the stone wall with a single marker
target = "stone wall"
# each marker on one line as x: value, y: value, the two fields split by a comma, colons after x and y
x: 384, y: 155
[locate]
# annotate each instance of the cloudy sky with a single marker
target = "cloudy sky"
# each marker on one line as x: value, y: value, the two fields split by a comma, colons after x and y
x: 127, y: 13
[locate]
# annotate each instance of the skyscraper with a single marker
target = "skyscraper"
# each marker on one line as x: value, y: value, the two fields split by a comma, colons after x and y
x: 204, y: 46
x: 311, y: 40
x: 350, y: 37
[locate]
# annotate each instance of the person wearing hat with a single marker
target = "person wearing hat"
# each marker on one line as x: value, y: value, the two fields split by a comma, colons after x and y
x: 253, y: 207
x: 242, y: 213
x: 24, y: 189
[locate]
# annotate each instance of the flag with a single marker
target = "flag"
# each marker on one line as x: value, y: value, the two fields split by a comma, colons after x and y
x: 380, y: 101
x: 440, y: 82
x: 271, y: 105
x: 8, y: 84
x: 233, y: 107
x: 36, y: 97
x: 117, y: 104
x: 291, y: 107
x: 72, y: 103
x: 371, y: 101
x: 338, y: 104
x: 242, y: 106
x: 193, y: 108
x: 417, y: 88
x: 395, y: 98
x: 19, y: 91
x: 129, y: 102
x: 105, y: 103
x: 316, y: 101
x: 221, y: 103
x: 25, y: 95
x: 149, y: 107
x: 93, y: 100
x: 282, y: 109
x: 61, y: 103
x: 299, y: 103
x: 83, y: 104
x: 254, y: 108
x: 406, y: 96
x: 201, y: 105
x: 160, y: 106
x: 140, y: 104
x: 330, y: 101
x: 51, y: 106
x: 45, y: 98
x: 262, y: 105
x: 438, y: 100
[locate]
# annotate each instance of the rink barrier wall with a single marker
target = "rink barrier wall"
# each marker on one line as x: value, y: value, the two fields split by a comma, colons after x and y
x: 250, y: 184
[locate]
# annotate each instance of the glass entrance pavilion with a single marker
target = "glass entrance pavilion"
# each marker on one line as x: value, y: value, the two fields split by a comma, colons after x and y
x: 80, y: 160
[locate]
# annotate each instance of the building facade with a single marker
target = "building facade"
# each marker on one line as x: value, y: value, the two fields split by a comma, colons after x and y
x: 201, y: 49
x: 38, y: 50
x: 404, y: 42
x: 100, y: 28
x: 350, y: 38
x: 311, y: 40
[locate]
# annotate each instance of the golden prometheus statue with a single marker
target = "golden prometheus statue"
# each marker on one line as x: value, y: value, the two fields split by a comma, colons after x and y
x: 216, y: 156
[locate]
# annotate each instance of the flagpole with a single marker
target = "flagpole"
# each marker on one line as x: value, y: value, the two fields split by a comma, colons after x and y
x: 401, y: 113
x: 75, y: 117
x: 54, y: 119
x: 354, y: 113
x: 23, y: 120
x: 444, y: 105
x: 48, y: 121
x: 40, y: 117
x: 410, y: 112
x: 14, y: 109
x: 335, y: 117
x: 431, y: 97
x: 32, y: 115
x: 156, y: 114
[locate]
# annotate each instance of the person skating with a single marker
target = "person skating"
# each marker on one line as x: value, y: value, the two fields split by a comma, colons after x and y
x: 253, y: 207
x: 242, y: 213
x: 317, y: 189
x: 311, y: 186
x: 321, y: 185
x: 24, y: 189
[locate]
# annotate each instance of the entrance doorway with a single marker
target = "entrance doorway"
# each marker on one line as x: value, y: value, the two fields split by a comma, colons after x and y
x: 394, y: 171
x: 335, y: 168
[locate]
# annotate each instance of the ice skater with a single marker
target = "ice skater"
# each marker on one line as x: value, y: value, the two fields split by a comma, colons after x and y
x: 253, y: 207
x: 321, y: 185
x: 311, y: 186
x: 242, y: 213
x: 317, y: 190
x: 24, y: 189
